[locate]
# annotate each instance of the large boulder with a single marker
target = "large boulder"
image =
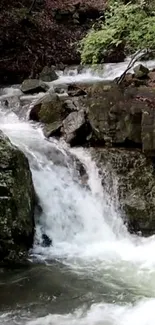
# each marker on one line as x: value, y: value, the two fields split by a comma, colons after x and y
x: 122, y: 117
x: 31, y: 86
x: 52, y: 110
x: 128, y: 176
x: 48, y: 74
x: 114, y: 114
x: 17, y: 202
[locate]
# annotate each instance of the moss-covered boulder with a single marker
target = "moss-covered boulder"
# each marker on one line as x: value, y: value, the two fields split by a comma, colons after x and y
x: 17, y: 201
x: 128, y: 176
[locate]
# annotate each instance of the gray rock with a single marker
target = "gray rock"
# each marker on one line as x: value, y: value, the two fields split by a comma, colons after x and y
x: 17, y: 202
x: 141, y: 71
x: 148, y: 131
x: 31, y: 86
x: 48, y: 74
x: 73, y: 122
x: 128, y: 176
x: 113, y: 115
x: 51, y: 110
x: 52, y: 129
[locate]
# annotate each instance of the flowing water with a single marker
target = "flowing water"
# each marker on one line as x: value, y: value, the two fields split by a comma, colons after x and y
x: 95, y: 272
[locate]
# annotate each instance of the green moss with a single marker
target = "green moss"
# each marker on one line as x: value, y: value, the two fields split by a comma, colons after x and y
x: 17, y: 201
x: 52, y: 111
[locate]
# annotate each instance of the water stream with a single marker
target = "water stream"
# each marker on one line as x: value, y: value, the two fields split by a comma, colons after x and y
x: 95, y: 273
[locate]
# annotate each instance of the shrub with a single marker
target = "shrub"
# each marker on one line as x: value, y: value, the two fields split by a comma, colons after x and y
x: 130, y: 25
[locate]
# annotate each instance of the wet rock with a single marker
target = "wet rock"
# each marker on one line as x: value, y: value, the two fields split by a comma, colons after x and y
x: 128, y: 176
x: 47, y: 98
x: 80, y: 172
x: 46, y: 241
x: 72, y: 127
x: 114, y: 115
x: 48, y: 74
x: 74, y: 90
x: 148, y: 131
x: 53, y: 129
x: 17, y: 203
x: 120, y: 116
x: 31, y: 86
x: 52, y: 110
x: 141, y: 71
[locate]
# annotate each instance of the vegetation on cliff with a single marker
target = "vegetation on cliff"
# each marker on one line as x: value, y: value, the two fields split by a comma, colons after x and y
x: 127, y: 26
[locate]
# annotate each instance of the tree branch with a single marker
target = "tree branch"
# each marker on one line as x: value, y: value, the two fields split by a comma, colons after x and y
x: 32, y: 5
x: 138, y: 55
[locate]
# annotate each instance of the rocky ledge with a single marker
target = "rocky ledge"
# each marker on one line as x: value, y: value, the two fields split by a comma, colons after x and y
x: 118, y: 121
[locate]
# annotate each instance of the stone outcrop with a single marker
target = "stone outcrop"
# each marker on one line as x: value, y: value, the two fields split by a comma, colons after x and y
x: 122, y: 116
x: 17, y: 203
x: 131, y: 174
x: 105, y: 114
x: 119, y: 122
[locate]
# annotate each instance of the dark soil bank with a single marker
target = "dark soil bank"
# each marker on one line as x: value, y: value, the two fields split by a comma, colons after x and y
x: 46, y: 33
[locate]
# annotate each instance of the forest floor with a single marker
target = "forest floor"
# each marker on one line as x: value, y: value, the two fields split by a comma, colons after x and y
x: 48, y: 35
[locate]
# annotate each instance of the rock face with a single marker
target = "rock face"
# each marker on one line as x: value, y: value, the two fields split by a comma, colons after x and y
x: 105, y: 114
x: 134, y: 175
x: 17, y: 202
x: 121, y: 122
x: 122, y: 117
x: 114, y: 115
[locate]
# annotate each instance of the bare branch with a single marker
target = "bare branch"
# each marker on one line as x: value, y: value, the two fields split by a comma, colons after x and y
x: 32, y: 5
x: 138, y: 55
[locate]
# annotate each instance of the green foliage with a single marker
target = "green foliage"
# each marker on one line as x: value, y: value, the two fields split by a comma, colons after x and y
x: 131, y: 26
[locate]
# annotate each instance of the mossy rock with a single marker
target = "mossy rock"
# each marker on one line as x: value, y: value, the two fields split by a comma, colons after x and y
x: 128, y: 176
x: 17, y: 202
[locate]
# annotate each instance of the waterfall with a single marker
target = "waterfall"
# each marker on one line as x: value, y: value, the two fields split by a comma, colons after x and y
x: 87, y: 232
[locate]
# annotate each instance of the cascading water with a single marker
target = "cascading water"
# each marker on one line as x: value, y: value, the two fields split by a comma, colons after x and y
x: 95, y: 272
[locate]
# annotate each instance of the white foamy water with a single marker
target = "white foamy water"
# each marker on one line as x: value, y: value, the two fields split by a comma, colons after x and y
x: 105, y: 314
x: 87, y: 232
x: 108, y: 71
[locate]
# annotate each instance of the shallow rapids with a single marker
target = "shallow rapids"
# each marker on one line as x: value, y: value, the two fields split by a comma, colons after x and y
x: 95, y: 273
